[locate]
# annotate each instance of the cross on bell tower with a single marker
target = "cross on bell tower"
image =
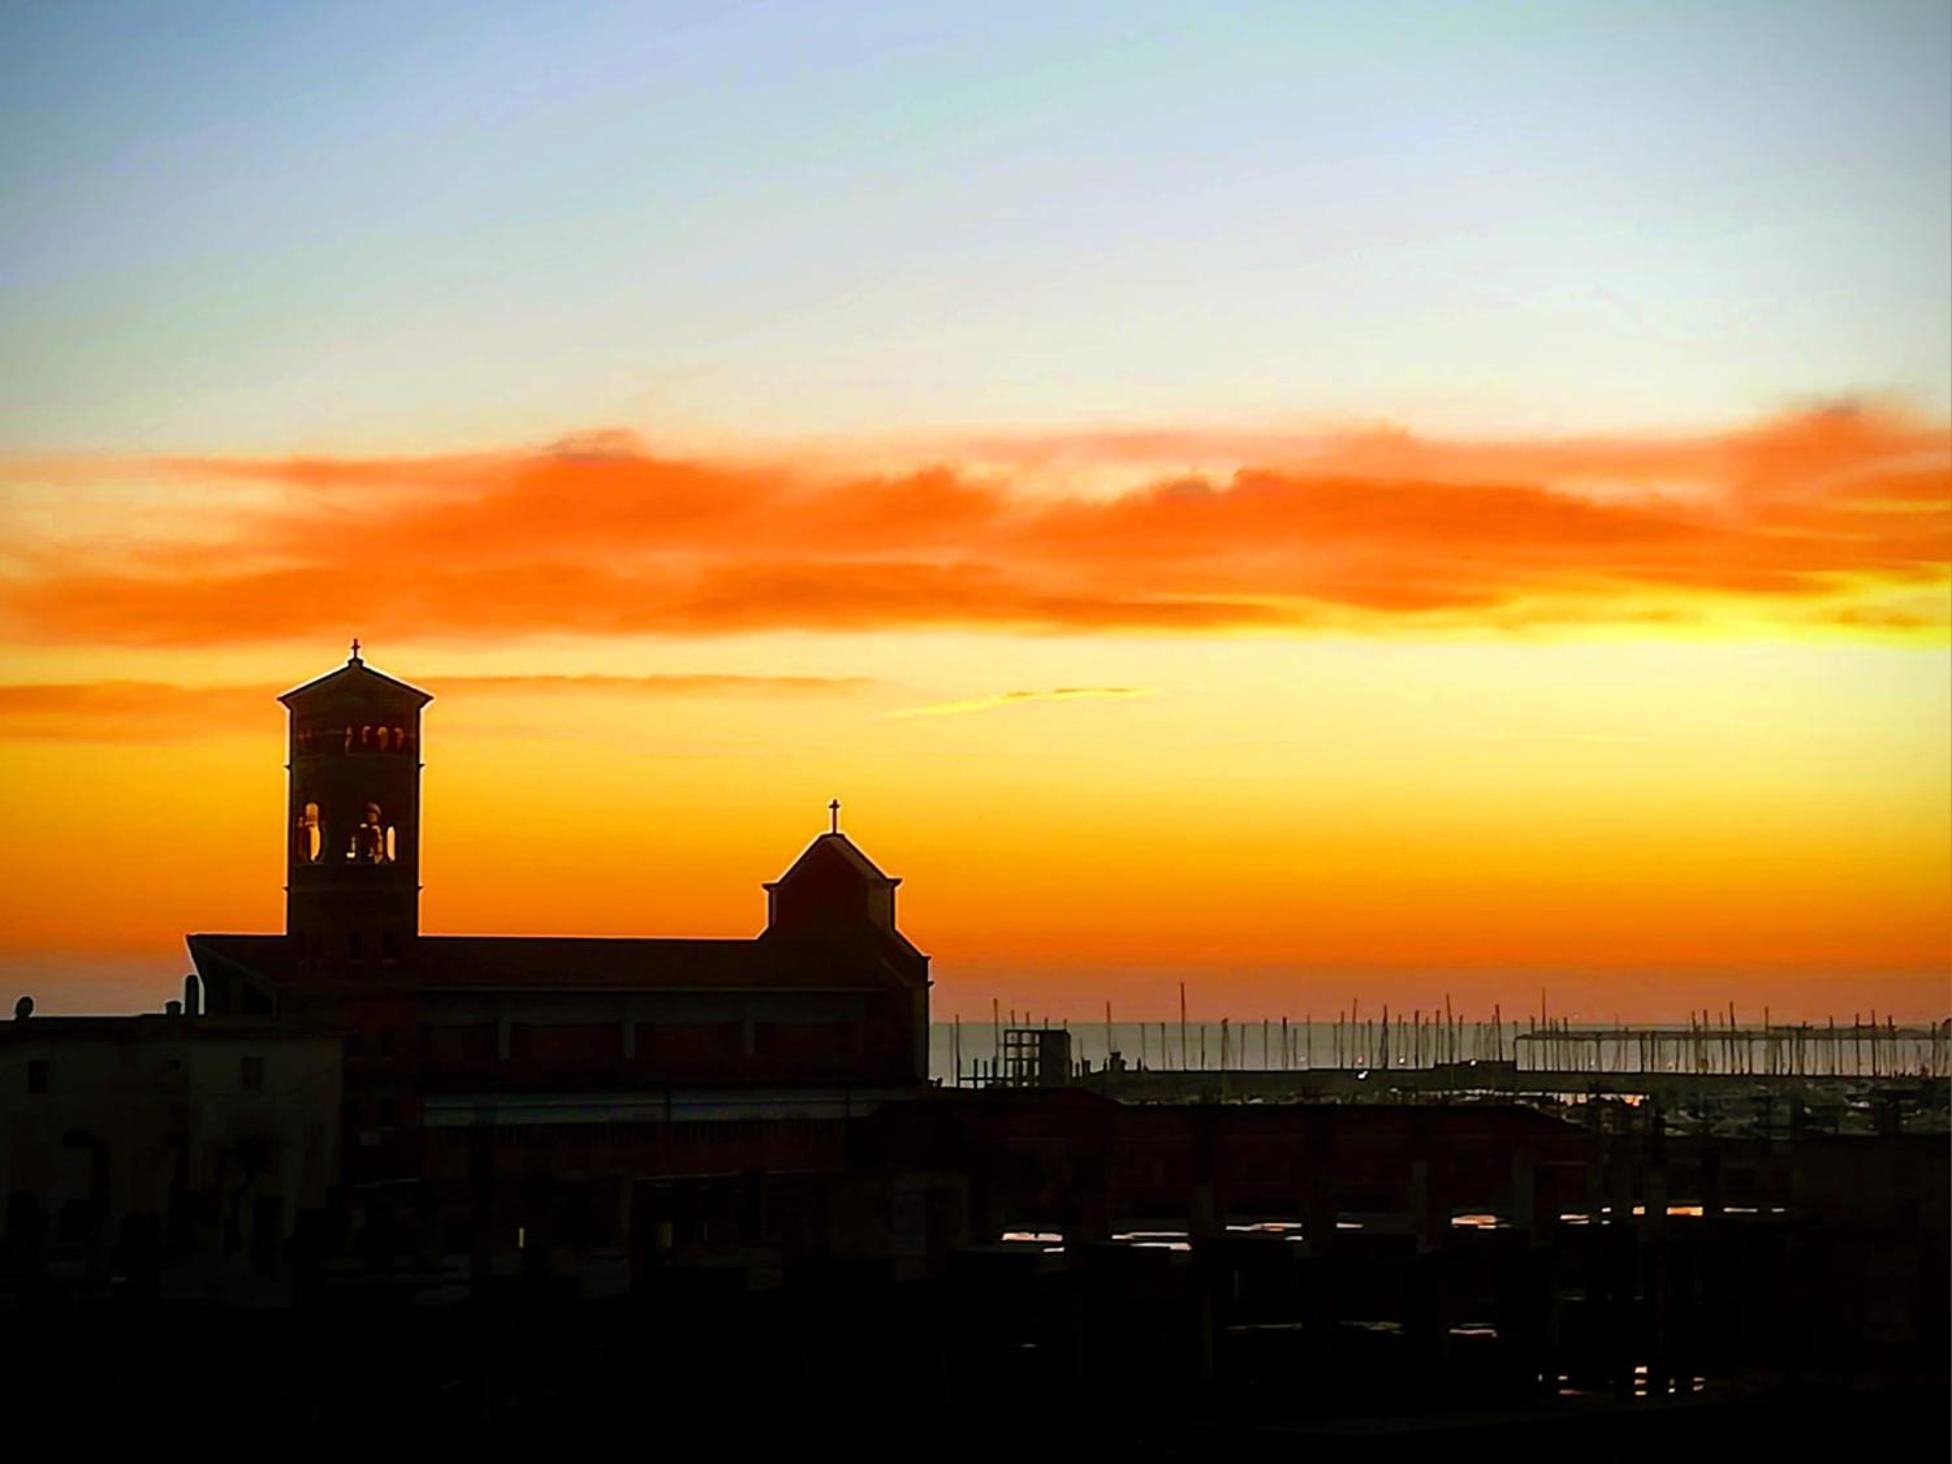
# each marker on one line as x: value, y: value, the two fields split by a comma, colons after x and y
x: 833, y: 817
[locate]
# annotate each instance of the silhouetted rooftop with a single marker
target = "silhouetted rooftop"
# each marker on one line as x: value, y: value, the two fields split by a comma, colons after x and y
x: 356, y: 679
x: 846, y: 849
x: 151, y: 1027
x: 557, y: 962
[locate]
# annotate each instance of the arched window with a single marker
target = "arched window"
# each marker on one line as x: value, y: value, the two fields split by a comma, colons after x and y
x: 310, y: 839
x: 372, y: 841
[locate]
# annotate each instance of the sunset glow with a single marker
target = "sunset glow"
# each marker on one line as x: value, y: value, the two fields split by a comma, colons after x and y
x: 1285, y: 645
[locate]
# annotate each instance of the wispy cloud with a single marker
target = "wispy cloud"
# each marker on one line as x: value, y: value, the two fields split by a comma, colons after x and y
x: 148, y: 711
x: 1024, y: 698
x: 682, y: 684
x: 1837, y: 519
x: 1623, y: 739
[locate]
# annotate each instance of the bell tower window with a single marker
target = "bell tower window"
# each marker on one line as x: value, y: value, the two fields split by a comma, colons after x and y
x: 309, y: 838
x: 373, y: 841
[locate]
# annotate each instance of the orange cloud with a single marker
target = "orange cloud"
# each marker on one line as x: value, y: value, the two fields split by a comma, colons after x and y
x: 1839, y: 518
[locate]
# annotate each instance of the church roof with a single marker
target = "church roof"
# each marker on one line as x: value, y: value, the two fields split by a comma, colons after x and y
x: 837, y: 845
x: 357, y: 681
x: 553, y: 962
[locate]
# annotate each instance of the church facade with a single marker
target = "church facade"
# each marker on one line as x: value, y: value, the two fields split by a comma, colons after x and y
x: 829, y: 994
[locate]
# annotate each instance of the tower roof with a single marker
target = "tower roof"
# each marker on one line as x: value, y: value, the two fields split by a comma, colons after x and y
x: 357, y: 682
x: 837, y: 845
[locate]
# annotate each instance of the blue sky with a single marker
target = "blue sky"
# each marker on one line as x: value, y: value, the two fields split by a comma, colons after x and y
x: 366, y: 227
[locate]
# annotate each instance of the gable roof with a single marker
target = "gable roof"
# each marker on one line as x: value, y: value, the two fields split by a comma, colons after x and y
x: 356, y: 681
x: 837, y: 845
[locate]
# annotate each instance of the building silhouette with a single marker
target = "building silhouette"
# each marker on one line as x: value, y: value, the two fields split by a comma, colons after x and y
x: 829, y: 993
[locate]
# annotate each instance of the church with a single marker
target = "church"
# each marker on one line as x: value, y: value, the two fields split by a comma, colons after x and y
x: 829, y: 994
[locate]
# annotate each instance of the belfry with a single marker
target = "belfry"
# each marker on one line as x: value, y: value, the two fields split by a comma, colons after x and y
x: 352, y: 861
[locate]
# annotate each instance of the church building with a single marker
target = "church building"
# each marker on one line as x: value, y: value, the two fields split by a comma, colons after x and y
x: 829, y: 994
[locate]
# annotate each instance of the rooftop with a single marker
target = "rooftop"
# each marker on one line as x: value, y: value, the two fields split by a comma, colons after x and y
x: 556, y: 962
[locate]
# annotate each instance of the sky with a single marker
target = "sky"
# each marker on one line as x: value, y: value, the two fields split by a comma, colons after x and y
x: 1307, y: 501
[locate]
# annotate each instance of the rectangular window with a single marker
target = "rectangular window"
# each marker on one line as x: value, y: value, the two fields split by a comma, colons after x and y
x: 251, y: 1075
x: 576, y: 1042
x: 471, y: 1043
x: 702, y: 1048
x: 820, y: 1046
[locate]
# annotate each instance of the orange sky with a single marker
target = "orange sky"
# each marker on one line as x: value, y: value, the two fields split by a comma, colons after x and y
x: 1296, y: 499
x: 1656, y: 719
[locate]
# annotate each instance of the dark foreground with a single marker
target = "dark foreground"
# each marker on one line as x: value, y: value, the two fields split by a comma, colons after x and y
x: 974, y: 1366
x: 1031, y: 1274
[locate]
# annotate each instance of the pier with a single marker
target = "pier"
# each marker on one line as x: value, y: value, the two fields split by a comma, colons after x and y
x: 1710, y: 1045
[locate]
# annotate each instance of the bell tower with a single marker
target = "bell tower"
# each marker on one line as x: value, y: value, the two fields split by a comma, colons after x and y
x: 352, y: 841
